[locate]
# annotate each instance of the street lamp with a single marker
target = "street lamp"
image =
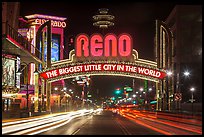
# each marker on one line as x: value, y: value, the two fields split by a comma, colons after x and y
x: 27, y: 94
x: 169, y: 73
x: 186, y: 73
x: 192, y: 89
x: 141, y: 89
x: 56, y: 88
x: 180, y: 87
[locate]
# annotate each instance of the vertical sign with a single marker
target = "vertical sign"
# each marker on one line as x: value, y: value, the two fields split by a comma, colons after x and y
x: 18, y: 76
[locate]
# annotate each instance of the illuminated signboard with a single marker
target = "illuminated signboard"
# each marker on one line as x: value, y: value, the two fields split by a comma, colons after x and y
x: 115, y: 69
x: 8, y: 70
x: 109, y: 46
x: 18, y: 65
x: 40, y: 19
x: 55, y: 49
x: 54, y: 23
x: 23, y: 31
x: 97, y: 55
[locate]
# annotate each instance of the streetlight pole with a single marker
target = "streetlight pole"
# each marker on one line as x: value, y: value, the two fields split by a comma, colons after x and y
x: 186, y: 75
x: 192, y: 101
x: 192, y: 90
x: 180, y: 85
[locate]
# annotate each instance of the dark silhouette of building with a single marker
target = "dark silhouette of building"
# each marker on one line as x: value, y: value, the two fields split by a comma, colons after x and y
x: 185, y: 21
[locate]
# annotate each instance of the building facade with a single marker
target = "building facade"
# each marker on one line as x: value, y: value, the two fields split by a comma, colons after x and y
x: 185, y: 22
x: 57, y: 50
x: 15, y: 49
x: 19, y: 53
x: 58, y: 24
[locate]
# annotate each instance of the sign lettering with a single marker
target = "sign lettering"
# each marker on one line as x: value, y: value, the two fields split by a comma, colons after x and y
x: 109, y: 46
x: 54, y: 23
x: 103, y: 67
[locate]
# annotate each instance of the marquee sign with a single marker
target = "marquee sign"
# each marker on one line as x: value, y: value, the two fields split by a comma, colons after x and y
x: 82, y: 60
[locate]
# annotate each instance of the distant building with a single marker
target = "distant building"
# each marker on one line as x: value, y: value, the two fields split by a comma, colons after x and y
x: 185, y: 21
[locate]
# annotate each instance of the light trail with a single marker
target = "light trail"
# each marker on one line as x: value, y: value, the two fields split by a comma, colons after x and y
x: 168, y: 122
x: 40, y: 124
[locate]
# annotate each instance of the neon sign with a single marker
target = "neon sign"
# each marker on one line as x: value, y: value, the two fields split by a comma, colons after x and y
x: 116, y: 57
x: 109, y: 46
x: 54, y: 23
x: 105, y: 68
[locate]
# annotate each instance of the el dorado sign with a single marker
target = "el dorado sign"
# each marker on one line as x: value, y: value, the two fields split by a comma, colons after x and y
x: 109, y: 47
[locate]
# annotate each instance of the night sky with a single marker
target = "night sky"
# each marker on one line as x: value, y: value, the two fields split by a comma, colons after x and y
x: 137, y: 19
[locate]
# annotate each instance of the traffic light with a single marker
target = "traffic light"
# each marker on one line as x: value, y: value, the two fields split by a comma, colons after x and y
x: 113, y: 98
x: 134, y: 102
x: 117, y: 91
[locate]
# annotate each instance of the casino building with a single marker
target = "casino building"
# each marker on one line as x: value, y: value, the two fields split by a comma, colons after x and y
x: 58, y: 24
x: 29, y: 26
x: 19, y: 53
x: 10, y: 60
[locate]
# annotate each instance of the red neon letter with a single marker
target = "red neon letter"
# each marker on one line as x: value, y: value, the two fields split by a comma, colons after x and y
x: 110, y: 40
x: 125, y: 45
x: 96, y: 45
x: 82, y: 41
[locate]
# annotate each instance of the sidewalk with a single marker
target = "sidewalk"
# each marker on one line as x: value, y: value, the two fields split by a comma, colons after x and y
x: 22, y: 114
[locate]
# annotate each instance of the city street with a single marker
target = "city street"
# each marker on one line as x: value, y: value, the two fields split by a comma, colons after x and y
x: 103, y: 122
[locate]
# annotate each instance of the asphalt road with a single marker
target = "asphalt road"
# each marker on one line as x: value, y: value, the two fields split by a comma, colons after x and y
x: 104, y: 123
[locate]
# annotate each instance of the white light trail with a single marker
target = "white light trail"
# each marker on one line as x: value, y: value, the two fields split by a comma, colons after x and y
x: 37, y: 125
